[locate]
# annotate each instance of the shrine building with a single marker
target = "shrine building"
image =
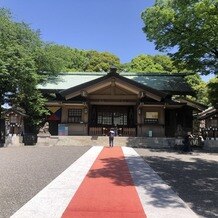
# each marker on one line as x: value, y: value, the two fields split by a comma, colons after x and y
x: 135, y: 104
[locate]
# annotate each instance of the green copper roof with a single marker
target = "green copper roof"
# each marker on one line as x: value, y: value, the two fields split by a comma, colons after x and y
x: 167, y: 83
x: 66, y: 81
x: 170, y: 83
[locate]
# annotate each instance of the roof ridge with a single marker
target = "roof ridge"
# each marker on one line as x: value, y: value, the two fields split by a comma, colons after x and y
x: 129, y: 73
x: 156, y: 73
x: 82, y: 73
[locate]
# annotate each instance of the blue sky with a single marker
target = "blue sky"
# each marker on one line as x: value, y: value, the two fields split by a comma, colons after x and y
x: 103, y: 25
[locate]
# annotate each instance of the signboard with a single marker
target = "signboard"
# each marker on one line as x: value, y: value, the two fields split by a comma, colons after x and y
x: 62, y: 129
x: 151, y: 115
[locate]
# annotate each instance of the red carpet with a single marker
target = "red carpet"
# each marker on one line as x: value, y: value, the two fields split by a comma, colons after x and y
x: 107, y: 190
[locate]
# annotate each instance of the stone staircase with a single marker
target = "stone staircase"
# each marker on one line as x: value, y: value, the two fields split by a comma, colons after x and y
x: 143, y: 142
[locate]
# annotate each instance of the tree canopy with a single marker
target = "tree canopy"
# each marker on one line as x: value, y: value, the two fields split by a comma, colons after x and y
x: 199, y: 87
x: 149, y: 63
x: 190, y: 27
x: 75, y: 60
x: 213, y: 91
x: 100, y: 61
x: 25, y: 62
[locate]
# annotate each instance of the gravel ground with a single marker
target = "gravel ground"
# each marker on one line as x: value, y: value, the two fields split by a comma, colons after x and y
x: 194, y: 177
x: 24, y: 171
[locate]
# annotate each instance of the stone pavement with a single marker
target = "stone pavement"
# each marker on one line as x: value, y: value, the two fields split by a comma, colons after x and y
x: 157, y: 198
x: 194, y: 177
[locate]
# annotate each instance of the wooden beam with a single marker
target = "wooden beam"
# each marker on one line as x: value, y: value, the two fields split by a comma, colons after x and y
x: 129, y: 88
x: 117, y: 97
x: 155, y: 97
x: 89, y: 89
x: 112, y: 103
x: 98, y: 86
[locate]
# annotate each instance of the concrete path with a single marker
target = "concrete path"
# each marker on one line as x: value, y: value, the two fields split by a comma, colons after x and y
x: 157, y: 198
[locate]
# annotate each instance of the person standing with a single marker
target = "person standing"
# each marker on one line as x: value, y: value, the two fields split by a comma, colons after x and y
x: 111, y: 137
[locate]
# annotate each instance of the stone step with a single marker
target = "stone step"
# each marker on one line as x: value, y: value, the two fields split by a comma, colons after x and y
x: 144, y: 142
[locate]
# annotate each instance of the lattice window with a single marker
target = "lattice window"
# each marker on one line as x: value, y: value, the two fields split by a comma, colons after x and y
x: 112, y: 118
x: 74, y: 115
x: 107, y: 118
x: 120, y: 118
x: 104, y: 118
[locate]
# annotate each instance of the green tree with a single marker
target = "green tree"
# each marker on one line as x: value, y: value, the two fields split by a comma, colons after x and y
x: 51, y: 59
x: 199, y: 87
x: 166, y: 63
x: 145, y: 63
x: 25, y: 61
x: 75, y: 60
x: 100, y: 61
x: 79, y: 60
x: 190, y: 27
x: 65, y: 59
x: 212, y: 87
x: 149, y: 63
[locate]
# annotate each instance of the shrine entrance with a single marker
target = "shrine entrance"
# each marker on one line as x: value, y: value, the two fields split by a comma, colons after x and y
x: 104, y: 117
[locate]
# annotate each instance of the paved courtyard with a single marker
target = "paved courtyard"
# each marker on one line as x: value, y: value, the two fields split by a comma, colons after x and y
x: 194, y: 177
x: 26, y: 170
